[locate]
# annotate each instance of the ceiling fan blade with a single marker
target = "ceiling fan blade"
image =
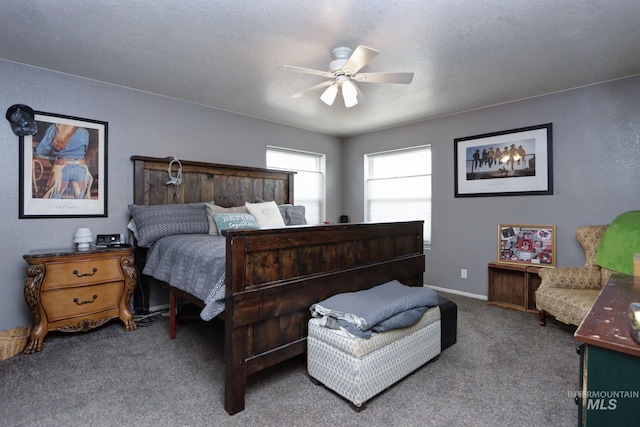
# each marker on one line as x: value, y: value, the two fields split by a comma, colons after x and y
x: 359, y: 58
x: 313, y: 89
x: 402, y: 78
x: 303, y: 70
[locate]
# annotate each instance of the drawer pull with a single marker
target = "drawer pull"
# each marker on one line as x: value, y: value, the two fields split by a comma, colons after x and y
x: 85, y: 302
x: 95, y: 270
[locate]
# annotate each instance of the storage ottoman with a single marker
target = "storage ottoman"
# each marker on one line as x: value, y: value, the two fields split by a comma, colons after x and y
x: 358, y: 368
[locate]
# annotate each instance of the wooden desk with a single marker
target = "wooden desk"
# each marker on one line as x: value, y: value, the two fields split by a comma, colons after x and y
x: 610, y: 358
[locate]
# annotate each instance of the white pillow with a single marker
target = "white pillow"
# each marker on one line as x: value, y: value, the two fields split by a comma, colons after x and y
x: 267, y: 214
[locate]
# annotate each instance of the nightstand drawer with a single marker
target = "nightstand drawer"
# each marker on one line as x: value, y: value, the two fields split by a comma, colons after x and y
x: 65, y: 303
x: 82, y: 273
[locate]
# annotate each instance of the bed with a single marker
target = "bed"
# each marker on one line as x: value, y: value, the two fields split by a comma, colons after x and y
x: 273, y: 276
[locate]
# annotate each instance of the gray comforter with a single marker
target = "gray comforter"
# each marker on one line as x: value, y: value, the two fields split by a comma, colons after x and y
x: 391, y: 305
x: 194, y: 263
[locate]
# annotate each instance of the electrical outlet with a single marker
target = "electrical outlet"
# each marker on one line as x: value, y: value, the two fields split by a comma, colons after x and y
x: 463, y: 273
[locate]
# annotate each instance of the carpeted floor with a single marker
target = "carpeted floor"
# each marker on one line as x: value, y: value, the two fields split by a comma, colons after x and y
x: 505, y: 370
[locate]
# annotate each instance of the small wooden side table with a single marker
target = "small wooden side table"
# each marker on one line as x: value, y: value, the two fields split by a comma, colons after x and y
x: 69, y: 290
x: 513, y: 286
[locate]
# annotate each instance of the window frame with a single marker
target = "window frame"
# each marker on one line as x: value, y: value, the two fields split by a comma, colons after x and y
x: 321, y: 160
x: 367, y: 179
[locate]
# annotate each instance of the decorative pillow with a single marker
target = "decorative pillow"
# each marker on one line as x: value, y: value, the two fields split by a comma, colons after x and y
x: 234, y: 221
x: 293, y: 215
x: 267, y: 214
x: 213, y: 209
x: 156, y: 221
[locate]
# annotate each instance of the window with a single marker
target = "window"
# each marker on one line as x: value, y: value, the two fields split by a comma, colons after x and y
x: 398, y: 186
x: 308, y: 182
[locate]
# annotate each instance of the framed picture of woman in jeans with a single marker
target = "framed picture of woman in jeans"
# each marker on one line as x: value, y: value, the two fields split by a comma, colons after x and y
x: 63, y: 168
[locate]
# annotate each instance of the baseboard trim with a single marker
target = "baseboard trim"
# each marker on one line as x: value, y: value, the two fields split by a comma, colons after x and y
x: 455, y: 292
x: 157, y: 308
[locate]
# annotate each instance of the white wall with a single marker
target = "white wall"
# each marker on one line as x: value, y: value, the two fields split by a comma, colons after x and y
x: 139, y: 124
x: 596, y: 173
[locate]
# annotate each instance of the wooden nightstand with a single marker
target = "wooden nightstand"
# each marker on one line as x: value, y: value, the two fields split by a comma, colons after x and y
x: 70, y: 291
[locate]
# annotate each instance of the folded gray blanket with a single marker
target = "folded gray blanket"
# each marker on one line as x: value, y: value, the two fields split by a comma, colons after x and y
x: 391, y: 305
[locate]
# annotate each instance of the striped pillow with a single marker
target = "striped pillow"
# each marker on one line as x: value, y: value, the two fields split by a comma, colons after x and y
x: 156, y: 221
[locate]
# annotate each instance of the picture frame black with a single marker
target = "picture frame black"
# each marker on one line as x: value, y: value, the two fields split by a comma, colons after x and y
x: 64, y: 177
x: 482, y: 169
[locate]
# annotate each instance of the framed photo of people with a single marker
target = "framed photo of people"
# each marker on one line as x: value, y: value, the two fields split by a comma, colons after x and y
x: 507, y: 163
x: 527, y: 244
x: 63, y: 168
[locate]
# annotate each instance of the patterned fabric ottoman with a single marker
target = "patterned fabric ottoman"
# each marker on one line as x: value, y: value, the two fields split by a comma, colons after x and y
x: 358, y: 368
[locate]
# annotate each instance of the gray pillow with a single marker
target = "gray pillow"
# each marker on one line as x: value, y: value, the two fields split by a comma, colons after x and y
x: 156, y: 221
x: 293, y: 214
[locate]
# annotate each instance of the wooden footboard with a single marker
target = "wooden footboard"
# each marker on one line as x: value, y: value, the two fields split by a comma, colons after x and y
x: 274, y: 276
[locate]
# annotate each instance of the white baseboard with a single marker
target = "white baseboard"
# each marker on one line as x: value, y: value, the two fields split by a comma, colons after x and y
x: 455, y: 292
x: 161, y: 307
x: 165, y: 307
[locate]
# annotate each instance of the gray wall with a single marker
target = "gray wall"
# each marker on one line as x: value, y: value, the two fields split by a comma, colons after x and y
x: 139, y: 123
x: 596, y: 172
x: 596, y: 152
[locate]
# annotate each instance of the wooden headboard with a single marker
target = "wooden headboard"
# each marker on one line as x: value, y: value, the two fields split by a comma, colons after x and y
x: 225, y: 185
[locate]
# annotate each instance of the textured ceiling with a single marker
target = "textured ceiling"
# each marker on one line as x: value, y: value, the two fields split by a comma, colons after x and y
x: 465, y: 54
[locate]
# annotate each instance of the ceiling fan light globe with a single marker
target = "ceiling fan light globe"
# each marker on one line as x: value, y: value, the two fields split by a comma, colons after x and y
x: 329, y: 95
x: 349, y: 94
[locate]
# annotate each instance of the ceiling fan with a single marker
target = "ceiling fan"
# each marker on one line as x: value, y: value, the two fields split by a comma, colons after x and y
x: 343, y: 72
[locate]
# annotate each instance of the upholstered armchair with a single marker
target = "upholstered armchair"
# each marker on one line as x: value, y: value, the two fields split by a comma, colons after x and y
x: 568, y: 293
